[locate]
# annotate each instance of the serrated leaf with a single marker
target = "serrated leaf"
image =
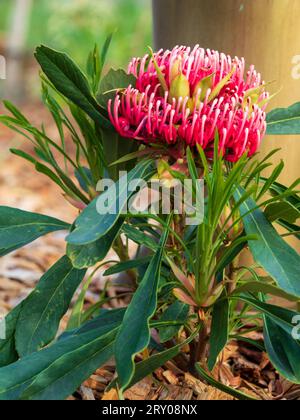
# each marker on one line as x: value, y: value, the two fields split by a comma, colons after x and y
x: 104, y: 50
x: 94, y: 68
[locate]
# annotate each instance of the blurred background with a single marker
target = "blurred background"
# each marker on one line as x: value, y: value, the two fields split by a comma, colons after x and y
x: 72, y: 26
x: 69, y: 25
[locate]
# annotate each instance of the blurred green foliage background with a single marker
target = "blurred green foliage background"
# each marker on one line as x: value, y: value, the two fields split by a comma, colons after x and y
x: 75, y: 25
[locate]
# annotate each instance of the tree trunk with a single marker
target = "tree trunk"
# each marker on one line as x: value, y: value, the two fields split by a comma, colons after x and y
x: 14, y: 88
x: 265, y: 32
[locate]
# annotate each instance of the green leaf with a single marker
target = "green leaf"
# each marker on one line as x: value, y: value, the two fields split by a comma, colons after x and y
x: 23, y: 155
x: 284, y: 120
x: 77, y: 314
x: 66, y: 373
x: 160, y: 75
x: 224, y: 388
x: 281, y: 316
x: 204, y: 84
x: 96, y: 62
x: 134, y: 335
x: 42, y: 311
x: 293, y: 229
x: 69, y: 80
x: 232, y: 253
x: 93, y: 68
x: 284, y: 210
x: 127, y: 265
x: 234, y: 250
x: 283, y: 350
x: 114, y: 148
x: 105, y: 321
x: 90, y: 225
x: 15, y: 111
x: 259, y: 345
x: 281, y: 345
x: 18, y: 228
x: 84, y: 256
x: 277, y: 190
x: 148, y: 366
x: 104, y: 50
x: 84, y: 177
x: 269, y: 250
x: 178, y: 311
x: 56, y: 372
x: 265, y: 288
x: 8, y: 353
x: 140, y: 153
x: 219, y: 331
x: 113, y: 81
x: 139, y: 237
x: 222, y: 83
x: 270, y: 180
x: 41, y: 168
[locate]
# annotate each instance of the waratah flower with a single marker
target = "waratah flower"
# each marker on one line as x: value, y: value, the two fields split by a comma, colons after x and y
x: 183, y: 96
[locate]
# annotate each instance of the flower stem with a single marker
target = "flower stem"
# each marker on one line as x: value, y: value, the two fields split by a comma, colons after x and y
x: 198, y: 349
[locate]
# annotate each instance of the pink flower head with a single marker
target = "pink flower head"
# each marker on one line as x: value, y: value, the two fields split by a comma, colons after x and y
x: 183, y: 96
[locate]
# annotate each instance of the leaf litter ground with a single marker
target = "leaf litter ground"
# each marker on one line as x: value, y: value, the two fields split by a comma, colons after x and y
x: 242, y: 366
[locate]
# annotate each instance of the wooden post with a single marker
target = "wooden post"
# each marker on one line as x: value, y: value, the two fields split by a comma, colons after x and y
x: 265, y: 32
x: 14, y: 87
